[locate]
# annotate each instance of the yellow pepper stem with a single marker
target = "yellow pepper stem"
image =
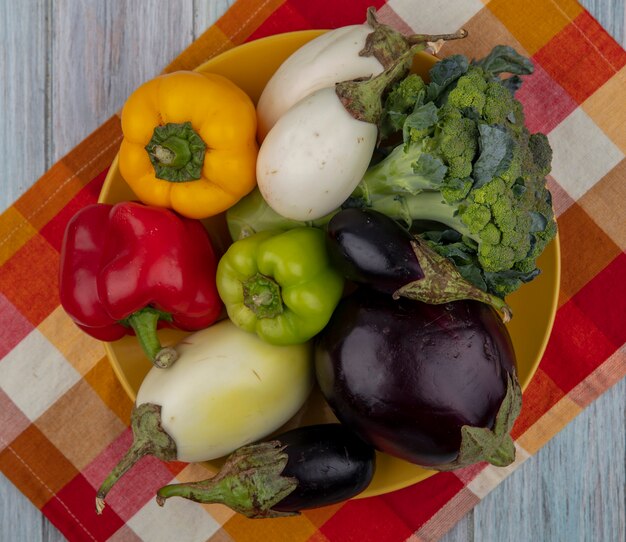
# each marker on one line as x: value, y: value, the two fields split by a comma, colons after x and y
x: 176, y: 152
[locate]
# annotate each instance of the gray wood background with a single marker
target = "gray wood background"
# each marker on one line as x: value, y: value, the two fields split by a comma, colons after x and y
x: 67, y: 65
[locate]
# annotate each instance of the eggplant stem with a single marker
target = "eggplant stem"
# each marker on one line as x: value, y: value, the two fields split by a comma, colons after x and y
x: 149, y: 438
x: 250, y: 482
x: 429, y: 38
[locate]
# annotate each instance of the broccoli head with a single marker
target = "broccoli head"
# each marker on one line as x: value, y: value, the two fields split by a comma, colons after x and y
x: 468, y: 163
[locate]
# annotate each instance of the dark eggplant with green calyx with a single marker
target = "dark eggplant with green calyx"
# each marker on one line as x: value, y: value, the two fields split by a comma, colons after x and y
x: 373, y: 249
x: 307, y: 467
x: 435, y: 385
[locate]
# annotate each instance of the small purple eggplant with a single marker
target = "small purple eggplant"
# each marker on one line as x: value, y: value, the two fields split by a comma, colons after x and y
x: 373, y: 249
x: 432, y: 384
x: 307, y: 467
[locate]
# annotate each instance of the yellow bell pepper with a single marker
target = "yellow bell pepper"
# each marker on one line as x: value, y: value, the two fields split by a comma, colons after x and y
x: 189, y: 143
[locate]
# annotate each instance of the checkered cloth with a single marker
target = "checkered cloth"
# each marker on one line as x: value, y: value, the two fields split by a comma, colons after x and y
x: 64, y: 416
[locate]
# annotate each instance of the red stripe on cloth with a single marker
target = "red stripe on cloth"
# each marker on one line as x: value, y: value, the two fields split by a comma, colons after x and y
x: 285, y: 19
x: 416, y: 504
x: 577, y: 346
x: 575, y: 62
x: 599, y: 39
x: 603, y: 300
x: 73, y: 512
x: 29, y: 279
x: 366, y: 519
x: 546, y: 103
x: 304, y: 15
x: 333, y: 14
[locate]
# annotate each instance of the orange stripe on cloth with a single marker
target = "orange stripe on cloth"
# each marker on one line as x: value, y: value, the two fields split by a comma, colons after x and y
x: 61, y: 182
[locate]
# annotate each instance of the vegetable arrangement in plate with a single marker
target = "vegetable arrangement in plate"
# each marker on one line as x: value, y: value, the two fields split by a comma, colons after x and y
x: 391, y: 217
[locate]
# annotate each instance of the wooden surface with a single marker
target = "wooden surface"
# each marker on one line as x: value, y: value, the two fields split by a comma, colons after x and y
x: 67, y: 65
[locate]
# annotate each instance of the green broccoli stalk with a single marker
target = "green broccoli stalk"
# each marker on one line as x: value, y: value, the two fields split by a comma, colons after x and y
x: 468, y: 163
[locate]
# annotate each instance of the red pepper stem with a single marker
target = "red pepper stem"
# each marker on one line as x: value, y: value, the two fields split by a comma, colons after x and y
x: 144, y: 322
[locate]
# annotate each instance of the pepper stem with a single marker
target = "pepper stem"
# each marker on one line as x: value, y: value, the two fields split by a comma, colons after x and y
x: 261, y: 295
x: 149, y: 438
x: 250, y: 482
x: 144, y: 322
x: 443, y: 283
x: 176, y: 152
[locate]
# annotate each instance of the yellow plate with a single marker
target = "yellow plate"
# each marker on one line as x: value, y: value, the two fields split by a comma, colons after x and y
x: 534, y: 305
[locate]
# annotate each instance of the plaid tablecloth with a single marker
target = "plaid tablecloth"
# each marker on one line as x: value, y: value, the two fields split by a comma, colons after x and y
x: 64, y: 417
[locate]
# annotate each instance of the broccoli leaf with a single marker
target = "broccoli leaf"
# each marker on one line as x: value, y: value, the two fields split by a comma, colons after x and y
x: 422, y: 118
x: 505, y: 282
x: 538, y: 222
x: 505, y: 59
x: 445, y: 73
x: 430, y: 169
x: 512, y: 84
x: 496, y: 153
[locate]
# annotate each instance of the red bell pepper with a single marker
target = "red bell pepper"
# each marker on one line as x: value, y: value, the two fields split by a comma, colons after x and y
x: 129, y: 268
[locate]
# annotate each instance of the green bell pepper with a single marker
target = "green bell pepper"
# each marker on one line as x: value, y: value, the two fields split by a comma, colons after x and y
x: 280, y: 285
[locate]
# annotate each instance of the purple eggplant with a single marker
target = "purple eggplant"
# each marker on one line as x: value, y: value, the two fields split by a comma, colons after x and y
x: 432, y: 384
x: 307, y: 467
x: 373, y: 249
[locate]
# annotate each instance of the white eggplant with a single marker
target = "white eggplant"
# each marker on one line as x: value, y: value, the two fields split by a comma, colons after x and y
x: 317, y: 152
x: 343, y: 54
x: 228, y: 388
x: 320, y: 63
x: 314, y: 157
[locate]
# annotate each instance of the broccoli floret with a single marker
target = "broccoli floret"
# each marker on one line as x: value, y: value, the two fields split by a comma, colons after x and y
x: 469, y: 163
x: 454, y: 142
x: 499, y: 103
x: 400, y: 102
x: 469, y: 91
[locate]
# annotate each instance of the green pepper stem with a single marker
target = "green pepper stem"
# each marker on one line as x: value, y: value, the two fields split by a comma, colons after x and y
x: 149, y: 438
x: 176, y: 152
x: 262, y: 296
x: 173, y: 152
x: 144, y: 322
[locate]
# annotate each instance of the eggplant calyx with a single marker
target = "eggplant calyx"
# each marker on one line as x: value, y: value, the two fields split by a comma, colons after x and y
x: 250, y: 482
x: 386, y: 44
x: 442, y: 283
x: 149, y: 438
x: 492, y: 445
x: 362, y: 98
